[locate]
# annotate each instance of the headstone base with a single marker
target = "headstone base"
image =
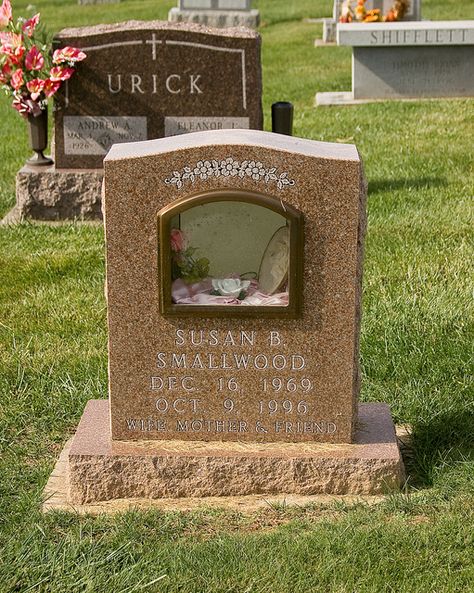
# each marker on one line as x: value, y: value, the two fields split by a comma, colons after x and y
x: 48, y: 193
x: 338, y: 98
x: 216, y: 18
x: 329, y: 30
x: 98, y: 1
x: 100, y: 469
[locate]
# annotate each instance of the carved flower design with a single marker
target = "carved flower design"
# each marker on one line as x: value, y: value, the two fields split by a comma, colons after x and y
x: 229, y: 167
x: 203, y: 170
x: 257, y: 170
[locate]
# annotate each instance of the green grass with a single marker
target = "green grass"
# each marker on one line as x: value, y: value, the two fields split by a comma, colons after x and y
x: 417, y: 351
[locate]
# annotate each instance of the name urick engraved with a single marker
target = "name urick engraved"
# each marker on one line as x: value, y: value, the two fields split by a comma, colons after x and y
x: 174, y: 84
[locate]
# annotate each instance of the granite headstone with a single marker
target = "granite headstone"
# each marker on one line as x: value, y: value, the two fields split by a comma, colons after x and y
x: 234, y: 267
x: 410, y: 60
x: 144, y: 80
x: 216, y: 13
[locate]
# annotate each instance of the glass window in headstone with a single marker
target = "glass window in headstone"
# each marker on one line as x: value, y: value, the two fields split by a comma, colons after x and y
x: 230, y: 252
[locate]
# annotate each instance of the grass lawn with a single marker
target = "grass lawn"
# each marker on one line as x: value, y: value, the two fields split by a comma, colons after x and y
x: 417, y: 352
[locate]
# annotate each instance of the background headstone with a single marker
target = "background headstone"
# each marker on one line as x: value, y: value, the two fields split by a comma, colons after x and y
x: 329, y: 25
x: 84, y: 2
x: 216, y: 13
x: 215, y: 4
x: 144, y: 80
x: 425, y: 59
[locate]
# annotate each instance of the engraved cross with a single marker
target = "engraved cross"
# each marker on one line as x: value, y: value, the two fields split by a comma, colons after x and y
x: 154, y: 42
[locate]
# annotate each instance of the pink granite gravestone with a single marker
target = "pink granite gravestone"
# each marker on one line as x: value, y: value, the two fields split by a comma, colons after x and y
x: 234, y: 269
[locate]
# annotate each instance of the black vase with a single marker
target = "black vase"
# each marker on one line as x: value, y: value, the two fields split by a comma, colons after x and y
x: 38, y: 132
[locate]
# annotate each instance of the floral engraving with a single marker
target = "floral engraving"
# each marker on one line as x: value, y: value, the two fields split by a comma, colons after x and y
x: 230, y: 168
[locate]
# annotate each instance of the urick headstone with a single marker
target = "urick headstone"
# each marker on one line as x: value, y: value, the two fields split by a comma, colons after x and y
x: 144, y: 80
x: 234, y: 268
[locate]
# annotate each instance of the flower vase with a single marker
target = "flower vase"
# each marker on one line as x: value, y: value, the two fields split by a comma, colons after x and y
x: 38, y: 132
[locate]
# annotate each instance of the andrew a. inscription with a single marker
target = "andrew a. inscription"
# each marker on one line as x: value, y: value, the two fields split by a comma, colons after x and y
x: 282, y: 401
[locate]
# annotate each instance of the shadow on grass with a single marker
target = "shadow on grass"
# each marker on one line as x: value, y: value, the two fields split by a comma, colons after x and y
x: 395, y: 184
x: 440, y: 443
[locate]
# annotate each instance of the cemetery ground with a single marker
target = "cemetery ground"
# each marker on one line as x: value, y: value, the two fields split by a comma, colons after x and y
x: 417, y: 347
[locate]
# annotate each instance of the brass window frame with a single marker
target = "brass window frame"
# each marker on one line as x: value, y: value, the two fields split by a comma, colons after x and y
x: 295, y: 273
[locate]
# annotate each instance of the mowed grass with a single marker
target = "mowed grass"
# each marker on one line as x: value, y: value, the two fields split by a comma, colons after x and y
x: 417, y: 352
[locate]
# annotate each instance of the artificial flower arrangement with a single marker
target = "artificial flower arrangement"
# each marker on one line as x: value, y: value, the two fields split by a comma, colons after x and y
x: 191, y: 270
x: 184, y: 264
x: 193, y: 285
x: 361, y: 15
x: 28, y: 71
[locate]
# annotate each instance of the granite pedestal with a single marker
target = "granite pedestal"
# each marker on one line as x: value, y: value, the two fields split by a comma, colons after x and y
x: 101, y: 469
x: 47, y: 193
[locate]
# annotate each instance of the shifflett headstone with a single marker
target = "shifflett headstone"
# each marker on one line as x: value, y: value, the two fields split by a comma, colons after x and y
x: 413, y: 60
x: 234, y: 264
x: 144, y: 80
x: 216, y: 13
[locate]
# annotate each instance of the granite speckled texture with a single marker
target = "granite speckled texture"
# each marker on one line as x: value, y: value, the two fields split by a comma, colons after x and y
x: 138, y: 74
x: 47, y: 193
x: 100, y: 469
x: 329, y: 189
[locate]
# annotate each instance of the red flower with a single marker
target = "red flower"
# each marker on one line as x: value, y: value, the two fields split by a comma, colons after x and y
x: 177, y: 240
x: 35, y: 87
x: 5, y: 74
x: 30, y: 25
x: 68, y: 54
x: 17, y: 79
x: 34, y: 59
x: 59, y: 73
x: 5, y: 13
x: 50, y: 87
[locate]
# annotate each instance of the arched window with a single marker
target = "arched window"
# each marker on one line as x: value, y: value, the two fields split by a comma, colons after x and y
x: 231, y: 254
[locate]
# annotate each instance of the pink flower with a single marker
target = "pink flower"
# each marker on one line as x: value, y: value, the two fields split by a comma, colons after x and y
x: 68, y: 54
x: 17, y: 79
x: 178, y: 240
x: 34, y: 59
x: 12, y: 46
x: 50, y: 87
x: 30, y: 25
x: 60, y: 73
x: 26, y: 107
x: 35, y: 87
x: 5, y: 13
x: 5, y: 73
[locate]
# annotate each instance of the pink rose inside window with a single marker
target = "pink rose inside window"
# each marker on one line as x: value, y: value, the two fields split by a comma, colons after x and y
x: 228, y: 253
